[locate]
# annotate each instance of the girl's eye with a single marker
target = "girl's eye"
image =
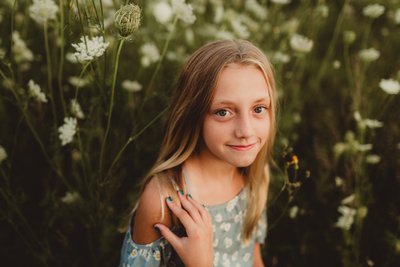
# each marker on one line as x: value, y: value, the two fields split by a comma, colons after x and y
x: 222, y: 113
x: 260, y: 109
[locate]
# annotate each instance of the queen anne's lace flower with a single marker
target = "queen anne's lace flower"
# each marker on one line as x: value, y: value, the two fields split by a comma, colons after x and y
x: 78, y: 82
x: 347, y: 218
x: 36, y: 92
x: 131, y: 86
x: 397, y: 16
x: 67, y: 130
x: 127, y: 19
x: 281, y: 2
x: 3, y: 154
x: 93, y: 48
x: 43, y: 10
x: 150, y: 54
x: 162, y: 12
x: 70, y: 197
x: 390, y: 86
x: 373, y: 11
x: 20, y: 51
x: 76, y: 109
x: 369, y: 55
x: 301, y: 43
x: 183, y: 11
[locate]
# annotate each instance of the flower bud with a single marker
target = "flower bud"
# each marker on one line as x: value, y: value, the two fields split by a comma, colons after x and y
x: 127, y: 19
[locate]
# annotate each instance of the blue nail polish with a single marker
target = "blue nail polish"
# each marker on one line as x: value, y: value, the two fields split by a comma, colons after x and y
x: 189, y: 195
x: 169, y: 198
x: 181, y: 192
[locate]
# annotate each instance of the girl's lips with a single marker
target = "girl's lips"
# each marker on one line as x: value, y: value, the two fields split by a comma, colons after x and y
x: 242, y: 148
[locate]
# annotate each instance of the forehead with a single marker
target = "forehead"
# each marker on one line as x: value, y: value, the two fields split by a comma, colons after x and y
x: 241, y: 82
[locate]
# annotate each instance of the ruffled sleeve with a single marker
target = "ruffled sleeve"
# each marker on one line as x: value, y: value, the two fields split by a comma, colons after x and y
x: 154, y: 254
x: 261, y: 233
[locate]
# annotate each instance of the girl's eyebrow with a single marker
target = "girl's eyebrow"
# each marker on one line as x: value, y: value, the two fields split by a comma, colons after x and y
x: 227, y: 102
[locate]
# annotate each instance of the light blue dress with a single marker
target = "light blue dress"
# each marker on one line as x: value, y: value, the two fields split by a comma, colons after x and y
x: 229, y: 249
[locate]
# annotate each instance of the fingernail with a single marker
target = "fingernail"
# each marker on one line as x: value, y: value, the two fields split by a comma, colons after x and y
x: 181, y: 192
x: 169, y: 198
x: 189, y: 195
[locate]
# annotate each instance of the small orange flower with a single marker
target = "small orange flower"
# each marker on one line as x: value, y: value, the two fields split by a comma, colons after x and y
x: 295, y: 160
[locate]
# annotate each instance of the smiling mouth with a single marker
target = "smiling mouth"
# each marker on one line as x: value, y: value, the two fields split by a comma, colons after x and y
x: 242, y: 148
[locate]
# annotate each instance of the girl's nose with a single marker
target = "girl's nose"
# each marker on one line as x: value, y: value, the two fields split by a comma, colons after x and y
x: 244, y: 127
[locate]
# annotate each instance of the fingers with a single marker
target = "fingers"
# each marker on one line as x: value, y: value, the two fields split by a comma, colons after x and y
x: 205, y: 215
x: 189, y: 207
x: 182, y: 215
x: 169, y: 235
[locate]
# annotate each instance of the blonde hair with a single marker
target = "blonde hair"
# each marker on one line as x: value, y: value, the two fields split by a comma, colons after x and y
x: 190, y: 102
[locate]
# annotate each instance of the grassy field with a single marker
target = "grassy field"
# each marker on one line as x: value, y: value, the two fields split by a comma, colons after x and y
x: 84, y: 86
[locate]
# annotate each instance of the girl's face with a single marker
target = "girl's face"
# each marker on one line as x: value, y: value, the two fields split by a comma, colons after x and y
x: 237, y: 125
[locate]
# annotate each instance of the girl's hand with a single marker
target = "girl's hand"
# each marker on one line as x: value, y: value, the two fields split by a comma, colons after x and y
x: 197, y: 248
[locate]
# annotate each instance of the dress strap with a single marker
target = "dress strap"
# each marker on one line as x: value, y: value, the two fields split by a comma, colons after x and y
x: 186, y: 181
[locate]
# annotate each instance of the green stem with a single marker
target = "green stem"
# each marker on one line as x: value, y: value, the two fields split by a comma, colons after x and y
x: 80, y: 78
x: 49, y: 74
x: 133, y: 138
x: 332, y: 43
x: 121, y: 42
x: 163, y: 53
x: 61, y: 66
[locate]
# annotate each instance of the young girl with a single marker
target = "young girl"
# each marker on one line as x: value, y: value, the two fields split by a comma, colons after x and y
x: 203, y: 202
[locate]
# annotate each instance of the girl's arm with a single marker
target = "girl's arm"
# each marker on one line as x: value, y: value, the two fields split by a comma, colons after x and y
x: 194, y: 250
x: 258, y: 262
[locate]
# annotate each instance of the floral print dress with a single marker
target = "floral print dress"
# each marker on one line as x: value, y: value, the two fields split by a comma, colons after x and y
x: 229, y: 248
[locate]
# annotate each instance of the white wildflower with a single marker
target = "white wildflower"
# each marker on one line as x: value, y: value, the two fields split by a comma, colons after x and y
x: 372, y: 124
x: 20, y: 51
x: 76, y: 109
x: 301, y: 43
x: 162, y: 12
x: 36, y: 92
x: 131, y: 86
x: 70, y: 197
x: 363, y: 147
x: 71, y: 57
x: 93, y: 48
x: 397, y: 16
x: 3, y: 154
x: 348, y: 200
x: 257, y: 9
x: 280, y: 57
x: 293, y: 212
x: 78, y: 82
x: 338, y: 181
x: 239, y: 28
x: 281, y: 2
x: 67, y: 130
x: 369, y: 55
x: 373, y: 159
x: 357, y: 116
x: 150, y: 54
x: 336, y: 64
x: 183, y: 11
x: 347, y: 218
x: 390, y: 86
x: 373, y: 11
x: 43, y: 10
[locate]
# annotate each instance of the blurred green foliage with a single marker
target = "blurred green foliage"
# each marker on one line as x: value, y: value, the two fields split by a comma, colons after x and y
x: 334, y: 194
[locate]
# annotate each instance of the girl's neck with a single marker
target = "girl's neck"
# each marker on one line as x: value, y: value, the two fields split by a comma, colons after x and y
x: 212, y: 182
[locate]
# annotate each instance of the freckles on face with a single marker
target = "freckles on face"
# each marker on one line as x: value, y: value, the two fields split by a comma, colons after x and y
x: 238, y: 122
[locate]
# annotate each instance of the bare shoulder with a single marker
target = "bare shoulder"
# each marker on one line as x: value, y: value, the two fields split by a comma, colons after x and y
x: 149, y: 212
